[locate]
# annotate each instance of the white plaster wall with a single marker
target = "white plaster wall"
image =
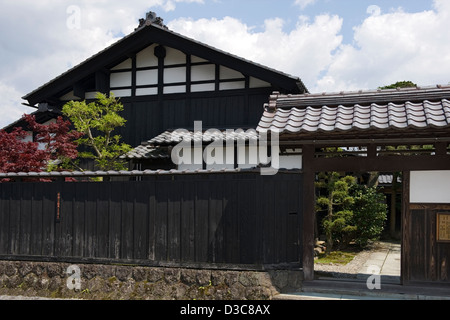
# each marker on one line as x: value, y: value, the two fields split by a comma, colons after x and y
x: 124, y: 65
x: 203, y: 87
x: 146, y: 58
x: 227, y: 73
x: 203, y: 73
x: 122, y: 93
x: 121, y: 79
x: 430, y: 187
x: 257, y: 83
x: 173, y: 75
x: 245, y: 161
x: 146, y: 91
x: 147, y: 77
x: 291, y: 162
x: 232, y: 85
x: 174, y: 89
x: 195, y: 59
x: 174, y: 56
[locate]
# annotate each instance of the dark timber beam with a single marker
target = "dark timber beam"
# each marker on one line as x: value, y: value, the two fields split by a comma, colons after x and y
x: 406, y: 225
x: 79, y: 90
x: 382, y: 163
x: 133, y: 75
x: 360, y: 142
x: 102, y: 83
x: 160, y: 52
x: 308, y: 213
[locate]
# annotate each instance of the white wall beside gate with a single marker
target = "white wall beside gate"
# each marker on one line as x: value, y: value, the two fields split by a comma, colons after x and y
x: 430, y: 187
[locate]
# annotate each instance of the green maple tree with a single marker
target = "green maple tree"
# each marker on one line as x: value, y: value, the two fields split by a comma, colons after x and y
x: 98, y: 120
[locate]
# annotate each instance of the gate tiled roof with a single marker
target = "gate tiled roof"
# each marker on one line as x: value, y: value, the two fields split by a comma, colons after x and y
x: 379, y: 110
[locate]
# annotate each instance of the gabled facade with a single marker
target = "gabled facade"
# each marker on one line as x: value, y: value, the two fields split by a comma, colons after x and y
x: 168, y: 81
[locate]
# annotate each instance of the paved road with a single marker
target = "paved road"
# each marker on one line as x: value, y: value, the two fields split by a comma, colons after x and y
x: 22, y: 298
x: 384, y: 262
x: 28, y: 298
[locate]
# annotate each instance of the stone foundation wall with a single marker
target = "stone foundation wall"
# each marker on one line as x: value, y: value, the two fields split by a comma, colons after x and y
x: 115, y: 282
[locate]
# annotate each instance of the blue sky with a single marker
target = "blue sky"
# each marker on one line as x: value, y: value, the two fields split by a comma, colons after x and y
x: 254, y: 12
x: 332, y: 45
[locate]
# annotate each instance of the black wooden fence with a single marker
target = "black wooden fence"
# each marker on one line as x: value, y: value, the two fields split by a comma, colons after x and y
x: 232, y: 219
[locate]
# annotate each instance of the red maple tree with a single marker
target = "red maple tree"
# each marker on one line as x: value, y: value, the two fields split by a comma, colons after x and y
x: 16, y: 155
x: 59, y: 141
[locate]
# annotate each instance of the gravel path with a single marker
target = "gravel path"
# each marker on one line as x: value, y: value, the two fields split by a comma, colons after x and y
x: 350, y: 270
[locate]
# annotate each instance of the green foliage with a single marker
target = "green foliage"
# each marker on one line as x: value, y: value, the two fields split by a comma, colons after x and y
x: 337, y: 203
x: 336, y: 257
x: 400, y: 84
x: 98, y: 121
x: 354, y: 213
x: 369, y: 214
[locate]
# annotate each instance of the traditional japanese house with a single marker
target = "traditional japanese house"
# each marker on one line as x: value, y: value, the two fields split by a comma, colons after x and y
x: 167, y: 81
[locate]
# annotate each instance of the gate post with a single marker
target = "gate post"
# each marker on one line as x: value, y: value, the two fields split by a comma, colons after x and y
x: 406, y: 224
x: 308, y: 212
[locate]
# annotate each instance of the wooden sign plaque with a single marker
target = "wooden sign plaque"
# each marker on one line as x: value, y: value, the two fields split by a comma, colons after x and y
x: 443, y: 227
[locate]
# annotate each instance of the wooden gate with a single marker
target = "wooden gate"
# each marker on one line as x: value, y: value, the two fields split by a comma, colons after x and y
x: 426, y: 227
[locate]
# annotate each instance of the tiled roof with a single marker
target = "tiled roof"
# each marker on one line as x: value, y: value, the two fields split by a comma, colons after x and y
x: 145, y: 151
x: 386, y: 179
x: 156, y: 148
x: 176, y: 136
x: 135, y: 173
x: 305, y: 113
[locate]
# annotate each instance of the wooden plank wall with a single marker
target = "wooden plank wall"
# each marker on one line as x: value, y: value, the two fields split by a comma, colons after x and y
x: 147, y: 119
x: 243, y: 219
x: 428, y: 260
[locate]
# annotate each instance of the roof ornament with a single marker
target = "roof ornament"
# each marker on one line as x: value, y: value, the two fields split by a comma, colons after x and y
x: 151, y: 19
x: 272, y: 105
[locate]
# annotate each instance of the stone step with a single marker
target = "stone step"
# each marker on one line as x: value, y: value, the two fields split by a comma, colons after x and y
x: 357, y: 290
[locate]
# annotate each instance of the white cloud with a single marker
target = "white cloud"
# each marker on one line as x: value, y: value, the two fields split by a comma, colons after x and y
x: 387, y: 47
x: 298, y: 52
x: 170, y: 5
x: 10, y: 110
x: 304, y: 3
x: 374, y: 10
x: 45, y: 38
x: 393, y: 47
